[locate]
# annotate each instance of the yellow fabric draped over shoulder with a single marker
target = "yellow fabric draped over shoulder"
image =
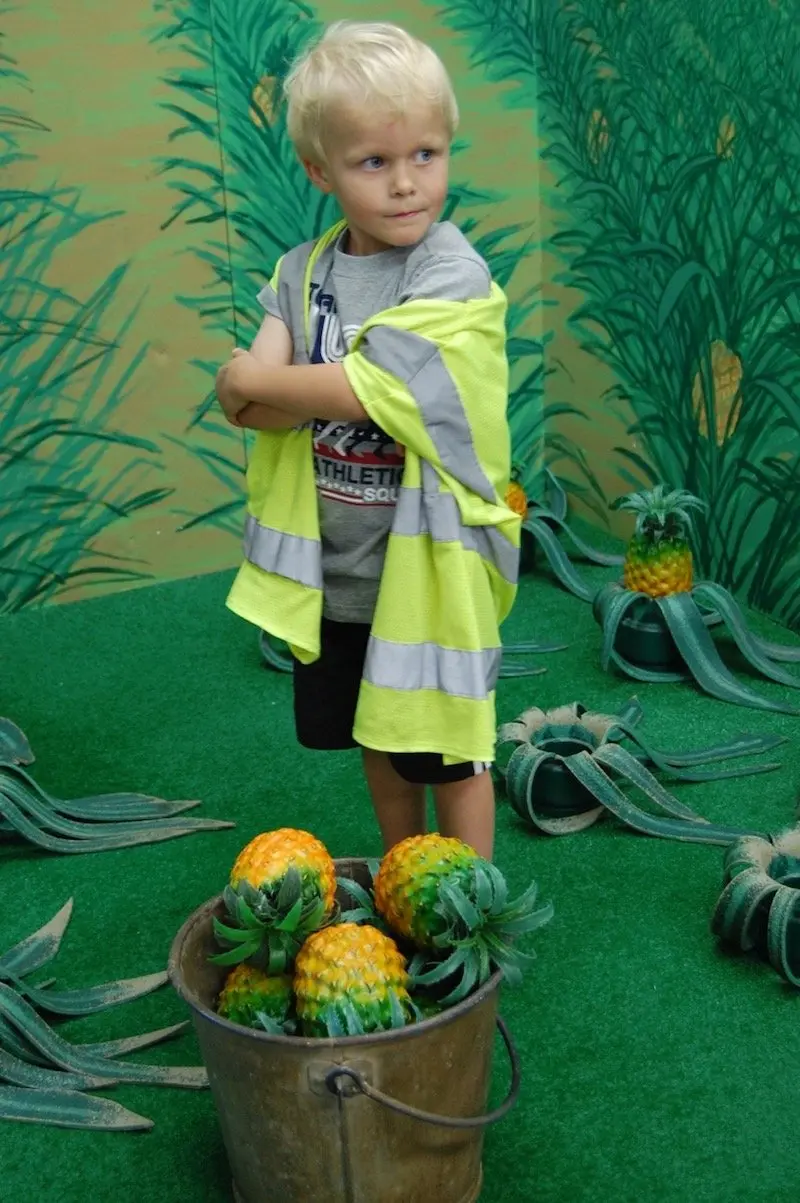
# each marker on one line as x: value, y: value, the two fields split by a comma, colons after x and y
x: 433, y: 374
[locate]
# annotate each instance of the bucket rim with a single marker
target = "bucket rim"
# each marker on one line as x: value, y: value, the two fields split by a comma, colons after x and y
x: 206, y: 909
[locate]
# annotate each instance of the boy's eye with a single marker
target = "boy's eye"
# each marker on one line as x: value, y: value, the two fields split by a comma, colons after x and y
x: 424, y: 156
x: 373, y: 163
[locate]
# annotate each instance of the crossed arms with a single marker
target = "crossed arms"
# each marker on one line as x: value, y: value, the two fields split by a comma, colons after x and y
x: 262, y: 390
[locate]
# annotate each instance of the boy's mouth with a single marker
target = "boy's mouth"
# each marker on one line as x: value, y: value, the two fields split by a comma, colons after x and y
x: 408, y: 213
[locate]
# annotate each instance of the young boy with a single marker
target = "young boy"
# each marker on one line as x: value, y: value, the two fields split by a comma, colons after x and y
x: 378, y: 542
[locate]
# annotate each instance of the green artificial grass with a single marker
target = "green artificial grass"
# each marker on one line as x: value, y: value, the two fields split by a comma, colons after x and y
x: 657, y: 1068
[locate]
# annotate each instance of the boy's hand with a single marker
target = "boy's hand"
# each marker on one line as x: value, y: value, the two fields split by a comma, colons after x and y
x: 234, y: 383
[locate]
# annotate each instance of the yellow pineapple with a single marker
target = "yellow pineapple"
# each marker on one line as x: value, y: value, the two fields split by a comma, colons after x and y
x: 516, y: 499
x: 350, y: 979
x: 441, y: 895
x: 282, y: 887
x: 659, y: 559
x: 249, y: 992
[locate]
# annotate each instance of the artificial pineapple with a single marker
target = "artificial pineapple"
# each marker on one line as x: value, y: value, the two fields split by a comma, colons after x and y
x: 516, y: 499
x: 350, y: 979
x: 659, y: 559
x: 282, y: 887
x: 249, y: 991
x: 438, y: 893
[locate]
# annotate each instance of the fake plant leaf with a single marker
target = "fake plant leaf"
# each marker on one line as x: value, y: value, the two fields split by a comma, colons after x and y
x: 590, y: 775
x: 234, y: 935
x: 735, y: 622
x: 606, y: 559
x: 533, y: 649
x: 455, y: 900
x: 738, y: 904
x: 778, y: 651
x: 614, y: 608
x: 125, y: 839
x: 37, y: 949
x: 557, y: 558
x: 68, y: 1109
x: 701, y: 655
x: 14, y: 746
x: 108, y: 807
x: 131, y: 1044
x: 68, y: 1056
x: 21, y: 1073
x: 92, y: 999
x: 650, y: 676
x: 291, y: 889
x: 234, y: 956
x: 291, y: 920
x: 782, y: 944
x: 614, y: 757
x: 275, y: 653
x: 510, y: 671
x: 15, y: 792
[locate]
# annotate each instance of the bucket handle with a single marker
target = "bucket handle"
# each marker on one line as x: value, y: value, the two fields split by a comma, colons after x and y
x: 333, y: 1081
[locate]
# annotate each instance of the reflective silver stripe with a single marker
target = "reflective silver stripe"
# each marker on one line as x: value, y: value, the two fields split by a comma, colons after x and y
x: 422, y: 513
x: 291, y: 556
x: 418, y: 363
x: 428, y: 666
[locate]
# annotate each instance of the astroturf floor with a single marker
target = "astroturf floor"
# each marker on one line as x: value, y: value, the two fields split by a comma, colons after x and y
x: 657, y: 1068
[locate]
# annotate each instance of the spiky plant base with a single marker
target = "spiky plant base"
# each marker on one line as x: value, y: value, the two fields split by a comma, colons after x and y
x: 43, y: 1077
x: 568, y: 767
x: 97, y: 824
x: 275, y: 654
x: 759, y: 908
x: 687, y: 617
x: 271, y: 927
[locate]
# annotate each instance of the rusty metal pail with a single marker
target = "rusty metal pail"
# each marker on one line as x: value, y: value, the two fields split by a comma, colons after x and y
x: 394, y: 1117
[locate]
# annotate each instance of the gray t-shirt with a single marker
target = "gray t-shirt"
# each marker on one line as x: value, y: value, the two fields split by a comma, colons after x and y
x: 358, y: 466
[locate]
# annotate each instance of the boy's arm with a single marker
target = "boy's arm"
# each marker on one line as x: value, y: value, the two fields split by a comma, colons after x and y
x: 272, y: 348
x: 298, y: 392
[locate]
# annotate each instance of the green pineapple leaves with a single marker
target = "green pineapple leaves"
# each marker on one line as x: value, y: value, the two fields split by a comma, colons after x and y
x: 477, y: 932
x: 268, y: 928
x: 43, y: 1077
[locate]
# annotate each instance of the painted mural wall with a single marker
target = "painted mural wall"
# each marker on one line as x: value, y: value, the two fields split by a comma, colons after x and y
x: 628, y: 168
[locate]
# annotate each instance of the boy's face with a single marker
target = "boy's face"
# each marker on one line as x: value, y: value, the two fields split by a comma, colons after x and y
x: 389, y: 175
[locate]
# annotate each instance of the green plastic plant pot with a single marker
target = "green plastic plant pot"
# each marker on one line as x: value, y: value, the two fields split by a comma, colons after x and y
x: 644, y: 639
x: 557, y: 790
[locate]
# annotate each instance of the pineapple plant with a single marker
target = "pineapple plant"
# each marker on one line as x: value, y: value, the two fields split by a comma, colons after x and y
x: 250, y: 997
x: 659, y: 559
x: 657, y: 621
x: 452, y: 905
x: 349, y: 980
x: 282, y: 887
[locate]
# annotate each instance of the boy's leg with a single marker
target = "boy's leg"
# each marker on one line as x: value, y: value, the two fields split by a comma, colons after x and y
x: 465, y: 809
x: 464, y: 796
x: 399, y: 804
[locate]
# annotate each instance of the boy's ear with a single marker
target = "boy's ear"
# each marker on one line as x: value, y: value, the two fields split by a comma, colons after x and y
x: 318, y: 175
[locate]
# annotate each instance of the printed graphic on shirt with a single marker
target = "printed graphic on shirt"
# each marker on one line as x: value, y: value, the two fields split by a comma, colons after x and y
x: 356, y: 463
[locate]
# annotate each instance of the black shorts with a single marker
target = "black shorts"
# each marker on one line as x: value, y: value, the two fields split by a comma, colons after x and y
x: 325, y: 698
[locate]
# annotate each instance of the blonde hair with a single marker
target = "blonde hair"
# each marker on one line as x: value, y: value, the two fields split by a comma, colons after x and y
x: 366, y: 65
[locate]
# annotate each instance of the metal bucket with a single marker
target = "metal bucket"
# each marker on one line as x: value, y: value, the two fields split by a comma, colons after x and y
x: 395, y: 1117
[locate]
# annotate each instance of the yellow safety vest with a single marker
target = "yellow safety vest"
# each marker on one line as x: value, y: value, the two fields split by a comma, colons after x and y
x: 434, y: 375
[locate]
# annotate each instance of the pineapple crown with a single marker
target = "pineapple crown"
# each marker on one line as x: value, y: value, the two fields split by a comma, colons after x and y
x: 268, y: 928
x: 662, y: 514
x: 479, y: 927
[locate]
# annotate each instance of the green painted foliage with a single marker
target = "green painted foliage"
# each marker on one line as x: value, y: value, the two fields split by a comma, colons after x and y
x: 672, y: 131
x: 66, y: 475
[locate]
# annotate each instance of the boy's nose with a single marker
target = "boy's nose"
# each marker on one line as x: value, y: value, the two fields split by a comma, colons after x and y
x: 402, y: 182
